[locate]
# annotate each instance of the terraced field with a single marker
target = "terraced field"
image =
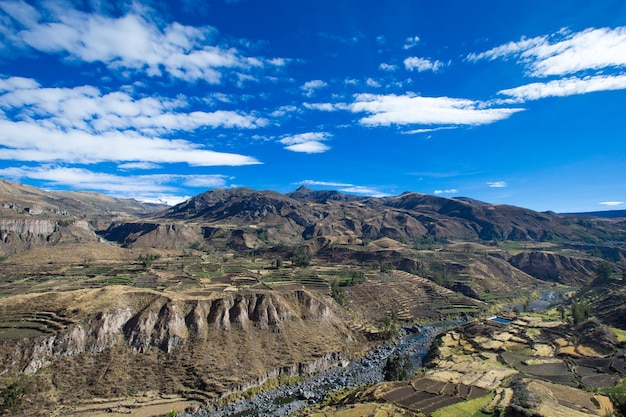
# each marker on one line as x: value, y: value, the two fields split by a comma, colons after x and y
x: 17, y: 326
x: 290, y: 279
x: 426, y: 395
x: 408, y: 297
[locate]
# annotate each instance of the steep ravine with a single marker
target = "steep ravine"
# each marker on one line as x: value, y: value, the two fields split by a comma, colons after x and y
x: 144, y: 340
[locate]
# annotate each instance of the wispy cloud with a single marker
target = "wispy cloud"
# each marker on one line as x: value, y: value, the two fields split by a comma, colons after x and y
x: 346, y: 188
x: 137, y: 165
x: 310, y: 87
x: 449, y: 191
x: 564, y: 52
x: 131, y: 42
x: 410, y: 109
x: 411, y: 42
x: 612, y: 203
x: 86, y: 108
x: 320, y: 106
x: 387, y: 67
x: 83, y: 125
x: 422, y: 64
x: 566, y: 87
x: 370, y: 82
x: 422, y: 131
x: 153, y: 188
x: 497, y: 184
x: 310, y: 142
x: 324, y: 183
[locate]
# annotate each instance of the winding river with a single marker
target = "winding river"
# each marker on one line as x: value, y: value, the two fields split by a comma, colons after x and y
x: 367, y: 370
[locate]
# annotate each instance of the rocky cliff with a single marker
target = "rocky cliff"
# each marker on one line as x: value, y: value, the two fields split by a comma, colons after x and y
x: 19, y: 234
x: 554, y: 267
x: 215, y: 345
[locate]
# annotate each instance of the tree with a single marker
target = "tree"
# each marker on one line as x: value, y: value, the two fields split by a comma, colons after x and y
x: 580, y: 311
x: 397, y: 368
x: 279, y: 263
x: 337, y: 292
x: 148, y: 259
x: 603, y: 273
x: 301, y: 257
x: 14, y: 393
x: 619, y: 403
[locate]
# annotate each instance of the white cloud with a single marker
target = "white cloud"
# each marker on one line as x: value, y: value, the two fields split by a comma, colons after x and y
x: 420, y: 131
x: 346, y: 188
x: 612, y: 203
x: 86, y: 108
x: 324, y: 183
x: 308, y: 147
x: 83, y: 125
x: 566, y: 87
x: 284, y: 110
x: 320, y: 106
x: 138, y: 165
x: 23, y: 141
x: 310, y: 87
x: 411, y: 42
x: 408, y: 109
x: 310, y: 142
x: 17, y: 83
x: 497, y: 184
x: 206, y: 181
x: 163, y: 188
x: 564, y: 52
x: 372, y: 83
x: 422, y: 64
x: 131, y: 42
x: 387, y: 67
x: 450, y: 191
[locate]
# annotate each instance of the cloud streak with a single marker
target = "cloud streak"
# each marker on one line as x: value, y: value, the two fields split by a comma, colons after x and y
x: 129, y: 42
x: 566, y: 87
x: 310, y: 142
x: 565, y: 53
x: 164, y: 188
x: 346, y: 188
x: 422, y: 64
x: 82, y: 125
x: 409, y: 109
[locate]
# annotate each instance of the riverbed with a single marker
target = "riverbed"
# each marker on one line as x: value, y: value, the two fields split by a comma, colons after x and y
x: 284, y: 400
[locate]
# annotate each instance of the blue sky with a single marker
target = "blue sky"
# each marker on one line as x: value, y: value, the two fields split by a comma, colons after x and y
x: 516, y: 102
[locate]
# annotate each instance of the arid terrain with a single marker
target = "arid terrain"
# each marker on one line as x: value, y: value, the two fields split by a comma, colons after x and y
x: 116, y: 307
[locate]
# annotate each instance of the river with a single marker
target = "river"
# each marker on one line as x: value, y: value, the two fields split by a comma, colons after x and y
x: 367, y: 370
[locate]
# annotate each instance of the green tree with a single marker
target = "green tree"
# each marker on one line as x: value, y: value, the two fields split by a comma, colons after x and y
x: 148, y: 259
x: 580, y: 311
x: 14, y: 393
x: 301, y: 257
x: 337, y: 292
x: 619, y: 403
x: 397, y: 368
x: 603, y: 273
x: 279, y: 263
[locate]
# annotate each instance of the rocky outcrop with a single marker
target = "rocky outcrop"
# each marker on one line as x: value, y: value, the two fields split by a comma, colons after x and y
x: 91, y: 336
x: 174, y: 326
x: 554, y: 267
x: 148, y: 234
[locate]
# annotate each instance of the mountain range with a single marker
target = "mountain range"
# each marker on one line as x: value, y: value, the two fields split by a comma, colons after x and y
x: 130, y: 297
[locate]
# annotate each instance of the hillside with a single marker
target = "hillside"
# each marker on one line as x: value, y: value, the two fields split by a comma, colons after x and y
x: 135, y: 300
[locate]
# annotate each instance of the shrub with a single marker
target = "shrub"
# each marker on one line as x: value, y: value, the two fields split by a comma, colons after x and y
x: 397, y: 368
x: 13, y: 394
